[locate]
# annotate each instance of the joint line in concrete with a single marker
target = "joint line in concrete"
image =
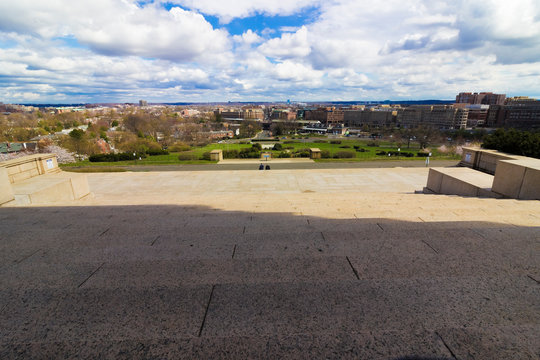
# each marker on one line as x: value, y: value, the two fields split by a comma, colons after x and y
x: 106, y: 231
x: 233, y: 252
x: 206, y: 311
x: 28, y: 256
x: 154, y: 241
x: 380, y: 227
x: 353, y: 269
x: 431, y: 247
x: 446, y: 345
x: 530, y: 277
x: 92, y: 274
x: 324, y: 238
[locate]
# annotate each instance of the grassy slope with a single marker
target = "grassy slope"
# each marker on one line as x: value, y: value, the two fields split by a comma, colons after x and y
x: 369, y: 154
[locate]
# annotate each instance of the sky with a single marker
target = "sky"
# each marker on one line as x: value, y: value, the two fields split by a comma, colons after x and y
x: 65, y: 51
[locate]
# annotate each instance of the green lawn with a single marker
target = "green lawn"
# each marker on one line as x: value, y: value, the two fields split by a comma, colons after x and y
x: 369, y: 154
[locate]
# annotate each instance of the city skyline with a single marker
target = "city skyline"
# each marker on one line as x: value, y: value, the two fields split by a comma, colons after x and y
x: 306, y: 50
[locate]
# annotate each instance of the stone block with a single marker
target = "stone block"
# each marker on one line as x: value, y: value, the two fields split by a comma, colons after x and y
x: 469, y: 157
x: 315, y: 153
x: 530, y: 189
x: 48, y: 163
x: 79, y: 185
x: 6, y: 192
x: 508, y: 179
x: 434, y: 180
x: 216, y: 155
x: 453, y: 186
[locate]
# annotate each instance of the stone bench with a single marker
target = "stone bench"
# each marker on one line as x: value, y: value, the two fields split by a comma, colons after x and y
x: 516, y: 177
x: 37, y: 179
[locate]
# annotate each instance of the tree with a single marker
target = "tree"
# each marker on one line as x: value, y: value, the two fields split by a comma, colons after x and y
x: 249, y: 128
x: 76, y: 134
x: 424, y: 135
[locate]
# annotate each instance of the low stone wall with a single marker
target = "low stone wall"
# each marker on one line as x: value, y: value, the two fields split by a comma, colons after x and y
x: 484, y: 160
x: 30, y: 166
x: 37, y: 179
x: 516, y: 177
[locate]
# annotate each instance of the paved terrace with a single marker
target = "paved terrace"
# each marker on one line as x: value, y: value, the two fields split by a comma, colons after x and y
x: 271, y: 264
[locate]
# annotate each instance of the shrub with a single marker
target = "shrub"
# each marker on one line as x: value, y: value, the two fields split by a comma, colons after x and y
x: 284, y: 154
x: 154, y: 152
x: 344, y: 155
x: 335, y: 142
x: 361, y: 150
x: 356, y: 147
x: 302, y: 153
x: 278, y: 147
x: 422, y: 154
x: 205, y: 156
x: 187, y: 156
x: 256, y: 147
x: 179, y: 147
x: 325, y: 154
x: 373, y: 144
x: 114, y: 157
x: 288, y: 148
x: 381, y: 153
x: 249, y: 153
x: 230, y: 154
x: 289, y: 142
x: 321, y: 141
x: 345, y: 147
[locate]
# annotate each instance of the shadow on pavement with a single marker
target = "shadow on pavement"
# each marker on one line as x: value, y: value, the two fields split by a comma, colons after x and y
x: 196, y: 282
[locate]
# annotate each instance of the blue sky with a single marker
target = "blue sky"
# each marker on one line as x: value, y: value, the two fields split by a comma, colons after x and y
x: 262, y: 50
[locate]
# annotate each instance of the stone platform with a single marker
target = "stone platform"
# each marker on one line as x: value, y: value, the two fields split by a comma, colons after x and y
x: 346, y: 264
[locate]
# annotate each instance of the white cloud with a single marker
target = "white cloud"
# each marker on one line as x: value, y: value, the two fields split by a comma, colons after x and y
x: 228, y: 10
x: 289, y: 45
x: 354, y: 49
x: 115, y: 27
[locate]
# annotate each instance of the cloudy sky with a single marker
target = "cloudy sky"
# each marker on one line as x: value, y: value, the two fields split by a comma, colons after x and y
x: 70, y: 51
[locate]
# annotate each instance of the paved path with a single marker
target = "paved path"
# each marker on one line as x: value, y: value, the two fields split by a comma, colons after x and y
x: 201, y: 265
x: 252, y: 165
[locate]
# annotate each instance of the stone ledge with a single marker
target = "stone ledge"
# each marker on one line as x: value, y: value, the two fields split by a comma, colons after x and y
x: 460, y: 181
x: 51, y: 188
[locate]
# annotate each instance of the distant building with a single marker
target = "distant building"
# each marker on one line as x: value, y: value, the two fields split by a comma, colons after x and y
x: 283, y: 114
x: 477, y: 115
x: 143, y: 103
x: 373, y: 117
x: 253, y: 114
x: 521, y: 112
x: 436, y: 116
x: 329, y: 115
x: 484, y: 98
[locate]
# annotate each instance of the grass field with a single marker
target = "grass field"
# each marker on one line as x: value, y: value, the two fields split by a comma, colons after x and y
x: 294, y: 145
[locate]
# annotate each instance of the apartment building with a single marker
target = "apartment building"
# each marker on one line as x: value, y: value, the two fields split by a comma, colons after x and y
x: 483, y: 98
x: 436, y: 116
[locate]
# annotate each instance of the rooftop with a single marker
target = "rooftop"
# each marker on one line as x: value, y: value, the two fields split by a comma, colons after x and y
x: 337, y: 263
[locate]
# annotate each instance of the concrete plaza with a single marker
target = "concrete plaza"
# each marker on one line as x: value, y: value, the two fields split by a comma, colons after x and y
x: 337, y: 263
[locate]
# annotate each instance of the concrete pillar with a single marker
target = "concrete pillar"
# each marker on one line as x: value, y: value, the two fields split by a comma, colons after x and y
x: 216, y: 155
